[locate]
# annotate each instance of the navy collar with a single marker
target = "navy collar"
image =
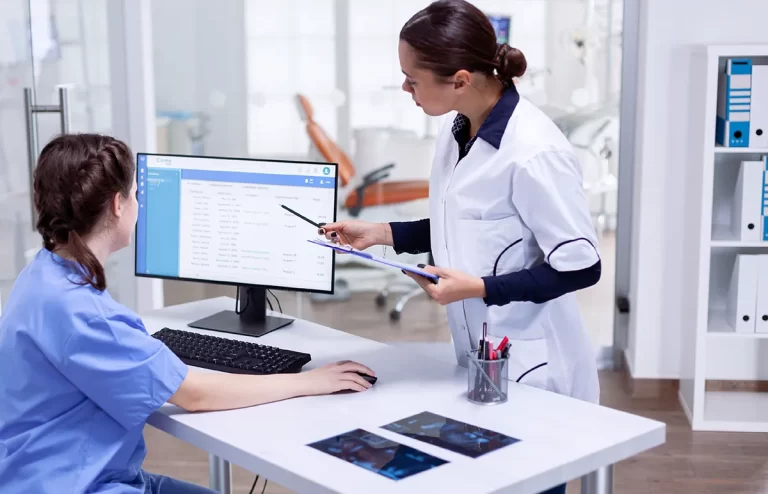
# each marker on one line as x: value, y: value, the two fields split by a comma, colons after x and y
x: 495, y: 124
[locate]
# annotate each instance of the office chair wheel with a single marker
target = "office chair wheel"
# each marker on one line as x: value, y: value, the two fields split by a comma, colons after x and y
x: 381, y: 300
x: 394, y: 315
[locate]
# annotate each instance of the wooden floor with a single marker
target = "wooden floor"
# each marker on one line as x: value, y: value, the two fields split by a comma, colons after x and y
x: 700, y: 463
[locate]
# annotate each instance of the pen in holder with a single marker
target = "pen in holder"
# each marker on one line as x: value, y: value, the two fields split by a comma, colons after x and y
x: 487, y: 382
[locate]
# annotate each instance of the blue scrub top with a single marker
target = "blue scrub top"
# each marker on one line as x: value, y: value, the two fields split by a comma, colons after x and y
x: 80, y: 377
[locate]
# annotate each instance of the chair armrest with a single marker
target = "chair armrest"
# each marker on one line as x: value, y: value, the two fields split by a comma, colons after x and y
x: 377, y: 175
x: 369, y: 179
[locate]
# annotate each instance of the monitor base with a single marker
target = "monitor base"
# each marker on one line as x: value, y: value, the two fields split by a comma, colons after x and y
x: 228, y: 321
x: 250, y: 319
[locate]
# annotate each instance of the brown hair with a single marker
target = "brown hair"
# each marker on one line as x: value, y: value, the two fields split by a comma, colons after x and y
x: 453, y: 35
x: 76, y: 179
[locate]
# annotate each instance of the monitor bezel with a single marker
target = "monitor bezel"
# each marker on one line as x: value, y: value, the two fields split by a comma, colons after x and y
x: 234, y: 283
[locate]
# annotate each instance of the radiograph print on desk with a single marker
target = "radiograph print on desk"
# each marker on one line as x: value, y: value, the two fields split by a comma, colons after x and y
x: 459, y: 437
x: 377, y: 454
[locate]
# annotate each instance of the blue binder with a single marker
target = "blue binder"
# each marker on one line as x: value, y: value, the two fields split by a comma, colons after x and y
x: 734, y: 103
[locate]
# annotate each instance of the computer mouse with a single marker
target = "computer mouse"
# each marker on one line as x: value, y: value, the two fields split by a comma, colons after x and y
x: 369, y: 378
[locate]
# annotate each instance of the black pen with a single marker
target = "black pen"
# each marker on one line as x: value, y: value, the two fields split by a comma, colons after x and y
x: 316, y: 225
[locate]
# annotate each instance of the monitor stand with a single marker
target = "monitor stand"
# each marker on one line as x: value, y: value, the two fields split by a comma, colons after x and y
x: 252, y: 320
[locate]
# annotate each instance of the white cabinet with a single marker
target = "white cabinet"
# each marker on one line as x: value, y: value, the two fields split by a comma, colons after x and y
x: 724, y: 238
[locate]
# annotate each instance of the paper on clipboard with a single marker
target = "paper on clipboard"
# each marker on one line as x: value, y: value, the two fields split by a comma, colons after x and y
x: 365, y: 255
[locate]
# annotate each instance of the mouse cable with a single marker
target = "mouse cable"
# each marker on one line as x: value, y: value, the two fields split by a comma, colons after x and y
x: 279, y: 307
x: 254, y: 485
x: 530, y: 370
x: 239, y: 310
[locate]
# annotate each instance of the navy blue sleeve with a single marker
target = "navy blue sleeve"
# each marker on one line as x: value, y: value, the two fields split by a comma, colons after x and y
x: 538, y: 285
x: 411, y: 237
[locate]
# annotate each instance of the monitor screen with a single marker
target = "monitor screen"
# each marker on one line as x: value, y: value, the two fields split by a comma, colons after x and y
x: 501, y: 25
x: 220, y: 220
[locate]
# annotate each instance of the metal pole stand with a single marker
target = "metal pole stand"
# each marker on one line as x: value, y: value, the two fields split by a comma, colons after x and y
x: 220, y: 475
x: 30, y: 110
x: 598, y: 482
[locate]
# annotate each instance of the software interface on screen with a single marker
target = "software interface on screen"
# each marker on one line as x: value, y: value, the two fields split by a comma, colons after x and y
x: 221, y: 220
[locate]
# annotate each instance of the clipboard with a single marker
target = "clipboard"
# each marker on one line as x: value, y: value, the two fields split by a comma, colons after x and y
x: 365, y: 255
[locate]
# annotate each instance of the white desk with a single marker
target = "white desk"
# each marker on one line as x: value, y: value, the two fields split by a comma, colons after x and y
x: 561, y: 438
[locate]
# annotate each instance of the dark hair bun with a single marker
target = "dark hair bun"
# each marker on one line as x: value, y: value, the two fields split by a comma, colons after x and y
x: 510, y: 63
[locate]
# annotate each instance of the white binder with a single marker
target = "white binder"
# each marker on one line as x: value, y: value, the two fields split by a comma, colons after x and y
x: 742, y: 294
x: 758, y: 116
x: 761, y: 314
x: 747, y: 221
x: 741, y: 305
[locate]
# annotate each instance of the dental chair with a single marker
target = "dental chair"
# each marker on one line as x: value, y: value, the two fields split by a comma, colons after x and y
x: 369, y: 192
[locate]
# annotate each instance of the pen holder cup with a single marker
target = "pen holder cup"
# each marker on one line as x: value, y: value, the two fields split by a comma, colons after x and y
x: 488, y: 381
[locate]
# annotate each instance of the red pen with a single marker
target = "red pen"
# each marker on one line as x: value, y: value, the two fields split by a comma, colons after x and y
x: 502, y: 344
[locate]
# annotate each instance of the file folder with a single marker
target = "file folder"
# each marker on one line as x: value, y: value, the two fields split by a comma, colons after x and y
x: 748, y: 222
x: 761, y: 319
x: 758, y: 108
x: 741, y: 305
x: 734, y: 103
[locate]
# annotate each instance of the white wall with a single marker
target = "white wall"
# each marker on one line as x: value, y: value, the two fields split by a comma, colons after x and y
x: 668, y: 29
x: 132, y: 113
x: 199, y: 63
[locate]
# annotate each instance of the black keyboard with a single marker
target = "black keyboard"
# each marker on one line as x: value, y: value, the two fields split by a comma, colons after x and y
x: 225, y: 355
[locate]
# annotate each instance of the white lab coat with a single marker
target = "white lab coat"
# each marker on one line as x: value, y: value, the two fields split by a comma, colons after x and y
x: 503, y: 210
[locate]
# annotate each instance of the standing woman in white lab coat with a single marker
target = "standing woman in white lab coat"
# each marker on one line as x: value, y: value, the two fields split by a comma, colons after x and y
x: 509, y: 226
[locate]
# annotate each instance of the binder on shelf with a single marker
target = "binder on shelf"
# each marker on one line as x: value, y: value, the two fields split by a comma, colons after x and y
x: 764, y: 199
x: 761, y: 314
x: 741, y: 305
x: 748, y: 213
x: 758, y: 108
x: 734, y: 98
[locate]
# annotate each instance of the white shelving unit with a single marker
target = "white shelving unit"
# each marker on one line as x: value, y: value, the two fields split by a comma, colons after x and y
x: 712, y: 350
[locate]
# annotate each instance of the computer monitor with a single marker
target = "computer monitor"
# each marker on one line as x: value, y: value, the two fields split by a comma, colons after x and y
x: 220, y: 220
x: 502, y: 25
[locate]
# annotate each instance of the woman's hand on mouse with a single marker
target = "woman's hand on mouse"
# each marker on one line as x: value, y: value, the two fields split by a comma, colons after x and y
x: 339, y: 376
x: 359, y: 234
x: 452, y: 286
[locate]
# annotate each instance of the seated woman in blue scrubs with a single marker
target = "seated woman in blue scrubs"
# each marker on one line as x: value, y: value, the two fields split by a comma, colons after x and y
x: 80, y: 373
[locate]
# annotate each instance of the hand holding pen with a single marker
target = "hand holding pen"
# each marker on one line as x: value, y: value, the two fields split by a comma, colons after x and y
x: 333, y: 231
x: 358, y: 234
